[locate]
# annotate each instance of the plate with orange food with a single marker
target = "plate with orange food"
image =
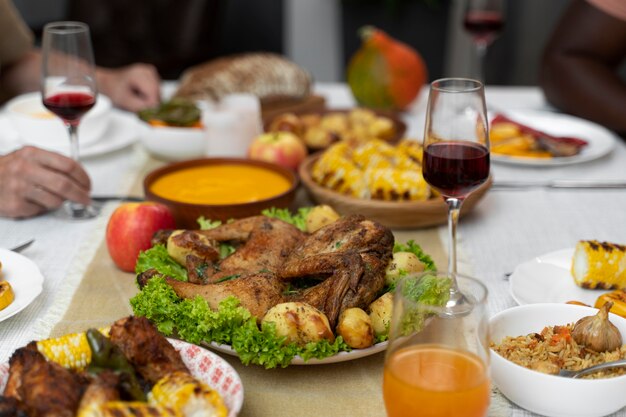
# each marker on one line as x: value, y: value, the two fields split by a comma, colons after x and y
x: 538, y: 138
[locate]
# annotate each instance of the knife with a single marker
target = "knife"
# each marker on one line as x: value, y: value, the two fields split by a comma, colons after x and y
x: 560, y: 184
x: 105, y: 198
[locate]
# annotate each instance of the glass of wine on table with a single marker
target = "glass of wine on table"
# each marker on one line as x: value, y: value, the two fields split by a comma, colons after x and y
x: 483, y: 20
x: 69, y: 86
x: 456, y: 151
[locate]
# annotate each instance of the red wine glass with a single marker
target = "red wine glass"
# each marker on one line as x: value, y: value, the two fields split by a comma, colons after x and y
x: 456, y: 147
x: 483, y: 20
x: 68, y: 85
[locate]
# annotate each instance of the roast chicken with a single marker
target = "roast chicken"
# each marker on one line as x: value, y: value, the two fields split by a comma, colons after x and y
x: 341, y: 265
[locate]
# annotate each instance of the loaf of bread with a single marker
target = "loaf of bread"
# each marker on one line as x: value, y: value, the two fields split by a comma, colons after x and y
x: 266, y: 75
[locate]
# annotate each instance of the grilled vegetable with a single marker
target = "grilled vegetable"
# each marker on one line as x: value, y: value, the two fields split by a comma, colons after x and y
x: 617, y: 297
x: 6, y: 294
x: 599, y: 265
x: 106, y: 355
x: 187, y: 396
x: 70, y: 351
x: 130, y: 409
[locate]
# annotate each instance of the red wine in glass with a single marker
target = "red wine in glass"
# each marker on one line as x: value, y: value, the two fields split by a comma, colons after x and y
x: 456, y: 168
x: 70, y: 106
x: 484, y: 26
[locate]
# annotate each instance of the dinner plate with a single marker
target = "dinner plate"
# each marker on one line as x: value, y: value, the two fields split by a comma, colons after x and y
x: 547, y: 279
x: 204, y: 365
x: 600, y: 141
x: 25, y: 279
x: 339, y: 357
x: 121, y: 132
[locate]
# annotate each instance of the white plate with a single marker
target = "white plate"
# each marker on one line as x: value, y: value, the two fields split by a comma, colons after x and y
x: 600, y: 141
x: 121, y: 132
x: 204, y: 365
x: 547, y: 279
x: 25, y: 279
x: 339, y: 357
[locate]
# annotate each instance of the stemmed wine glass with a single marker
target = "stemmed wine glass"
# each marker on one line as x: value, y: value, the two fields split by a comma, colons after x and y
x: 483, y: 20
x: 437, y: 360
x: 68, y: 85
x: 456, y: 149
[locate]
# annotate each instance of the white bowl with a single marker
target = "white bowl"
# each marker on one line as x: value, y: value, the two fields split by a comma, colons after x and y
x: 173, y: 143
x: 37, y: 126
x: 552, y: 395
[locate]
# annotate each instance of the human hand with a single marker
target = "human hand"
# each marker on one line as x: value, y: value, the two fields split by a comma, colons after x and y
x: 34, y: 180
x: 132, y: 88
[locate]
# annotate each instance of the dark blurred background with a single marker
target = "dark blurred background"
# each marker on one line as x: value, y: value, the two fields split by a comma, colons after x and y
x: 320, y: 35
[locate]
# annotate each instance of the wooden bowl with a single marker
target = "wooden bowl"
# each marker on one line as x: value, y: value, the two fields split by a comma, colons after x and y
x: 398, y: 124
x: 393, y: 214
x: 186, y: 214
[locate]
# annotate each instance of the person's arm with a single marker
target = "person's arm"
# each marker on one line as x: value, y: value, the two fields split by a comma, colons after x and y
x: 580, y: 63
x: 33, y: 181
x: 132, y: 88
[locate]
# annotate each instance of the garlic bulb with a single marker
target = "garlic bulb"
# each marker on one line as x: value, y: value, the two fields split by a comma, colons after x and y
x: 597, y: 332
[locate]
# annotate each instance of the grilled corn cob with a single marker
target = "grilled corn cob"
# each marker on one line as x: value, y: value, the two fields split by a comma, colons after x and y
x: 127, y: 409
x: 187, y: 396
x: 599, y: 265
x: 618, y: 297
x: 6, y: 295
x: 70, y: 351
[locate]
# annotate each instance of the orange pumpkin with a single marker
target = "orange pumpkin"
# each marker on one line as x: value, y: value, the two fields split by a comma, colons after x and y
x: 385, y: 73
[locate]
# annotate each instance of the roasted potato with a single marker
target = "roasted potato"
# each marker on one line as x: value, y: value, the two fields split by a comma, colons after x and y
x: 380, y: 313
x: 355, y: 326
x: 402, y: 263
x: 189, y: 242
x: 300, y: 323
x: 320, y: 216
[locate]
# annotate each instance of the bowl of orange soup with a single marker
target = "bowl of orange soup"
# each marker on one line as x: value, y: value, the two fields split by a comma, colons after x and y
x: 220, y: 188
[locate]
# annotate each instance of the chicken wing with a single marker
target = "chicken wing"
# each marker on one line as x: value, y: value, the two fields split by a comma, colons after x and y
x: 147, y: 350
x: 44, y: 389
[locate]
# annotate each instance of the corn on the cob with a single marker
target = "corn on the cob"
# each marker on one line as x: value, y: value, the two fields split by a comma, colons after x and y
x: 188, y: 396
x: 128, y: 409
x: 70, y: 351
x: 6, y: 294
x: 618, y: 297
x: 599, y: 265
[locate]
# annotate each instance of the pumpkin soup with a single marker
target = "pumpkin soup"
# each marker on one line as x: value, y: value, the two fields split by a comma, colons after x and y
x: 220, y: 184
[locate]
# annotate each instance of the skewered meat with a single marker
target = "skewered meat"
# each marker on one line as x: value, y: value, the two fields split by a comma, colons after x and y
x: 150, y: 353
x: 45, y: 389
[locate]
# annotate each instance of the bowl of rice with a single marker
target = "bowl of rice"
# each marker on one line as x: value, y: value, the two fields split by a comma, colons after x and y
x: 528, y: 341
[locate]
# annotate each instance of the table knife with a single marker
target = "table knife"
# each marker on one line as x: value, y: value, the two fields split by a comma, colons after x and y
x: 560, y: 184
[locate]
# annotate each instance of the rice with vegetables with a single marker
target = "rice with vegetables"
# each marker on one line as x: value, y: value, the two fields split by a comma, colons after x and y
x: 554, y: 349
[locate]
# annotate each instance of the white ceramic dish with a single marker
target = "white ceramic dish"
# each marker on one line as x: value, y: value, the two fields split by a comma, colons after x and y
x: 24, y: 277
x: 173, y: 143
x: 39, y: 127
x: 204, y: 365
x: 552, y: 395
x: 547, y: 279
x: 120, y: 133
x: 339, y: 357
x: 600, y: 140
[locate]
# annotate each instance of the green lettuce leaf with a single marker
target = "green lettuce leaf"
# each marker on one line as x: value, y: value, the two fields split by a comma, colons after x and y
x: 157, y: 258
x: 297, y: 219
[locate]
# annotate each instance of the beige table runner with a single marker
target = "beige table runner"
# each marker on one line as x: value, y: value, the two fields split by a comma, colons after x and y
x: 351, y: 388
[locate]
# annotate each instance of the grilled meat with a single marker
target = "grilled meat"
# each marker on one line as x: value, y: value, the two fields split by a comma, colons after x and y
x: 45, y: 389
x: 150, y: 353
x: 257, y: 292
x: 11, y: 407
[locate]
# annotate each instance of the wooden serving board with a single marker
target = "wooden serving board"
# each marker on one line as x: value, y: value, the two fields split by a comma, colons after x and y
x: 312, y: 103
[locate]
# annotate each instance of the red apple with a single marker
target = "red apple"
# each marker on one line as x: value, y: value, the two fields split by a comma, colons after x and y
x: 282, y: 148
x: 130, y: 228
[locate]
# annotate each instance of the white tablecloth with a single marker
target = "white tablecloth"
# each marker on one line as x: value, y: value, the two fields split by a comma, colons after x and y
x: 506, y: 228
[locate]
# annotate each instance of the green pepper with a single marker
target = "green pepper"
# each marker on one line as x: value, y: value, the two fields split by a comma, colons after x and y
x: 176, y: 112
x: 105, y: 355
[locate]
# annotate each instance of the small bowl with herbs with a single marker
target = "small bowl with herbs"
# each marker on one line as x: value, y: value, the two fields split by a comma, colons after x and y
x: 173, y: 131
